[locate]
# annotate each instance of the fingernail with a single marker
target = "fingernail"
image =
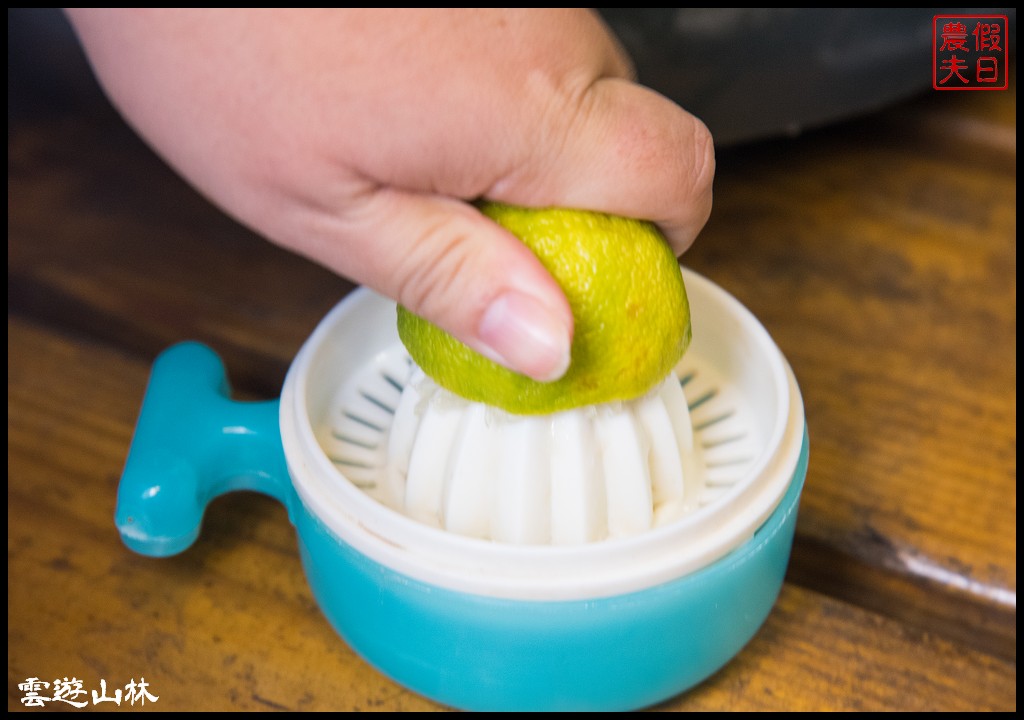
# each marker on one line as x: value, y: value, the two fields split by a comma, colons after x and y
x: 521, y: 333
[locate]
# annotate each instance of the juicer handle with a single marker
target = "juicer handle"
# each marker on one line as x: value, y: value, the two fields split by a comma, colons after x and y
x: 191, y: 444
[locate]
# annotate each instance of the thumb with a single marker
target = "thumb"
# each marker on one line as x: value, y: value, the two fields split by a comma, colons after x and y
x: 447, y: 262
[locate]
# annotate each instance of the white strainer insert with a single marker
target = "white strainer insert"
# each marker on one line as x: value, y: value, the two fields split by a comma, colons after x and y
x: 583, y: 475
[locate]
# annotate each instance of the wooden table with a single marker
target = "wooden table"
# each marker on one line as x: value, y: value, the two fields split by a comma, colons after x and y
x: 880, y: 254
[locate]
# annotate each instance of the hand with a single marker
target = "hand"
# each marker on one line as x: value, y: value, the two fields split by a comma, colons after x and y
x: 357, y: 137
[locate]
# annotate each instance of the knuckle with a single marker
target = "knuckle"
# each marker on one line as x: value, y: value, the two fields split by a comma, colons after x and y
x: 431, y: 277
x: 702, y: 169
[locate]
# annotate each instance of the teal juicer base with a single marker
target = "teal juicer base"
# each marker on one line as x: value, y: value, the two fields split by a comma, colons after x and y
x: 617, y: 653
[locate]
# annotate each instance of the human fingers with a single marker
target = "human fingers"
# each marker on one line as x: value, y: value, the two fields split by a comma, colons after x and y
x: 442, y: 259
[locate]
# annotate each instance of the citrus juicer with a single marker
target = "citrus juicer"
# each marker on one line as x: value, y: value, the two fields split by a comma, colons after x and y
x: 606, y: 558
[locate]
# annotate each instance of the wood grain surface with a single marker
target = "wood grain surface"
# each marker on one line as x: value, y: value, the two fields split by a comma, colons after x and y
x: 879, y: 253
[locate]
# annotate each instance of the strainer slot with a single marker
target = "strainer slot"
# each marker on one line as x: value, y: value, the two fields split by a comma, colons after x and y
x: 390, y: 410
x: 699, y: 427
x: 707, y: 396
x: 709, y: 444
x: 366, y: 422
x: 354, y: 441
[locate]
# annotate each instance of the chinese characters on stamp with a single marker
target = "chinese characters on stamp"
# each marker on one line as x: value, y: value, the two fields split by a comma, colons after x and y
x: 969, y: 52
x: 37, y: 693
